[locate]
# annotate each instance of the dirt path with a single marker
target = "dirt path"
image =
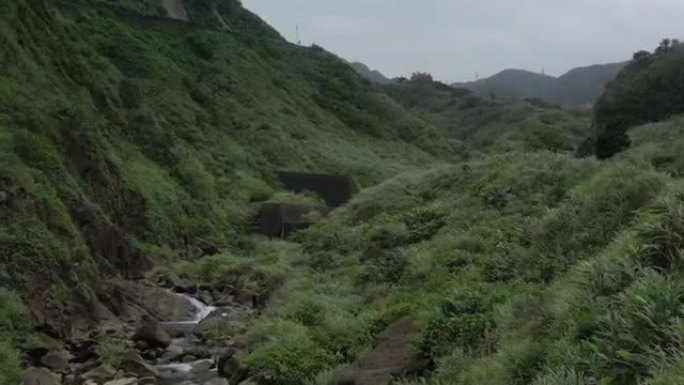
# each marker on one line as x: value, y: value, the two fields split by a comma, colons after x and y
x: 391, y: 357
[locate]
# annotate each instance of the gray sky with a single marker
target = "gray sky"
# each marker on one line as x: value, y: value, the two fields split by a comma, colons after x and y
x: 454, y: 39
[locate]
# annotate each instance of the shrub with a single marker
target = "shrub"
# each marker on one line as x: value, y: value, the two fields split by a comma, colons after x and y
x: 383, y: 266
x: 10, y: 369
x: 309, y: 313
x: 12, y: 313
x: 461, y: 322
x: 289, y: 360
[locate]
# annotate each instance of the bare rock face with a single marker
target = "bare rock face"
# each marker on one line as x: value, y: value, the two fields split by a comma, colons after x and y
x: 391, y: 357
x: 41, y: 376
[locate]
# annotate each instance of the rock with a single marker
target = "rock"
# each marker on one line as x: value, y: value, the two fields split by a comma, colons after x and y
x: 161, y: 304
x: 153, y: 333
x: 135, y: 364
x: 3, y: 196
x: 173, y: 353
x: 228, y: 364
x: 199, y: 352
x: 101, y: 374
x: 217, y: 381
x: 56, y: 360
x: 181, y: 285
x: 239, y: 374
x: 223, y: 300
x: 188, y: 359
x: 41, y: 376
x: 205, y: 297
x: 202, y: 366
x: 147, y: 381
x: 247, y: 297
x: 123, y: 381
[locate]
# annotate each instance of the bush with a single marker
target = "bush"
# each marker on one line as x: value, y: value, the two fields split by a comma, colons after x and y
x: 10, y: 369
x: 461, y: 322
x: 288, y: 361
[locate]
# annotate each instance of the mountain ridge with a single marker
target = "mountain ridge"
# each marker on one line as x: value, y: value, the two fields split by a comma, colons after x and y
x: 578, y: 87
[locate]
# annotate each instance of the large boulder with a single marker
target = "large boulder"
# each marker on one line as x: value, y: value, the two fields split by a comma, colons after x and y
x: 41, y: 376
x: 152, y: 333
x: 134, y: 299
x: 56, y: 360
x: 181, y: 285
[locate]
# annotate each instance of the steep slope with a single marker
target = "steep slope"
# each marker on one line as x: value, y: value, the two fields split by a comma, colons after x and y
x: 578, y: 87
x: 129, y: 138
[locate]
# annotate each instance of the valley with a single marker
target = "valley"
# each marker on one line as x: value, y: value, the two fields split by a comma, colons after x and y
x: 188, y: 199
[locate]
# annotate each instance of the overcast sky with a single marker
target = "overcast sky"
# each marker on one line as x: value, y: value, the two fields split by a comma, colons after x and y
x: 455, y: 39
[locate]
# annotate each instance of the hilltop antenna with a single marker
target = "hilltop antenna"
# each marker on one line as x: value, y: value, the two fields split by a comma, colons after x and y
x: 477, y: 76
x: 299, y: 42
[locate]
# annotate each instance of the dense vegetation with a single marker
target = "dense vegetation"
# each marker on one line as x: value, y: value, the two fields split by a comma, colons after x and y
x: 490, y: 124
x: 647, y: 90
x: 521, y: 263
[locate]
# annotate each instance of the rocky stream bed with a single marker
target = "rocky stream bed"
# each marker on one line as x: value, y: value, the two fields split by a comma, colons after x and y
x: 182, y: 334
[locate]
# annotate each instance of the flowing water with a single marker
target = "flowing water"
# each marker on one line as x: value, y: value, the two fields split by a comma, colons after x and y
x: 188, y: 373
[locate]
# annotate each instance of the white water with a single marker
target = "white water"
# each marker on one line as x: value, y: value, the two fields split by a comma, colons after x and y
x: 200, y: 311
x: 176, y: 368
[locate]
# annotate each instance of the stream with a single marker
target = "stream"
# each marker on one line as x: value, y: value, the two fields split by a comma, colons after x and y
x: 195, y: 372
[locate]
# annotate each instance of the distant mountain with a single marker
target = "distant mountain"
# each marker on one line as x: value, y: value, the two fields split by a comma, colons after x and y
x: 372, y: 75
x: 578, y: 87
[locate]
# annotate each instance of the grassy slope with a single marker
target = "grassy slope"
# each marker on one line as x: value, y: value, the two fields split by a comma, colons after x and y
x: 528, y: 268
x: 170, y: 130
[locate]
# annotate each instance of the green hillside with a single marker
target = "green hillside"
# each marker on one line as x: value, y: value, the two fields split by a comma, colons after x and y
x: 647, y: 90
x: 135, y: 147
